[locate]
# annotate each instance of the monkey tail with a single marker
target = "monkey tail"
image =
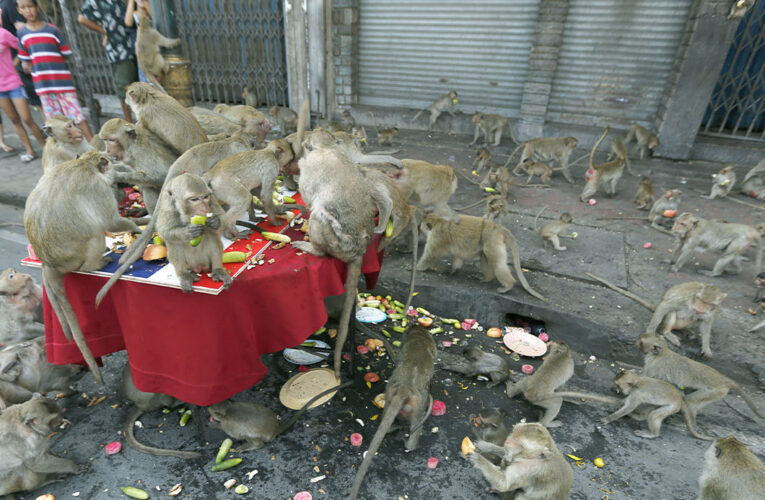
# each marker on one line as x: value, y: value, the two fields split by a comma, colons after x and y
x: 510, y: 240
x: 415, y: 250
x: 691, y: 424
x: 301, y: 124
x: 510, y: 130
x: 757, y: 326
x: 291, y: 421
x: 134, y: 414
x: 747, y: 399
x: 131, y: 255
x: 609, y: 400
x: 392, y: 407
x: 417, y: 115
x: 537, y: 218
x: 595, y: 147
x: 353, y: 272
x: 644, y: 303
x: 509, y: 158
x: 54, y: 284
x: 460, y: 209
x: 153, y: 80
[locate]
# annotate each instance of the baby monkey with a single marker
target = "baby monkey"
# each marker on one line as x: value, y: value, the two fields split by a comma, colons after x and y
x: 482, y: 159
x: 644, y: 194
x: 552, y: 230
x: 724, y: 181
x: 533, y: 167
x: 496, y: 207
x: 476, y: 362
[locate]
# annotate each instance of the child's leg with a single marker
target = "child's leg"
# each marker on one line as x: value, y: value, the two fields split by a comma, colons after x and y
x: 5, y: 147
x: 22, y: 107
x: 8, y: 109
x: 71, y: 107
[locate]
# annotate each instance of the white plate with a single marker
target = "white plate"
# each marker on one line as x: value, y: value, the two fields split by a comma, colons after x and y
x: 524, y: 344
x: 370, y: 315
x: 298, y: 357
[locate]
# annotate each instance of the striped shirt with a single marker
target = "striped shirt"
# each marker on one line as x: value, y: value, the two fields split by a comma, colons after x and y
x: 46, y: 49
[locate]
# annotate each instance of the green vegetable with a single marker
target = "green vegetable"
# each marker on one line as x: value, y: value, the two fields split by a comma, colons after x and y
x: 399, y: 329
x: 226, y: 464
x: 134, y: 492
x: 223, y: 450
x: 185, y: 418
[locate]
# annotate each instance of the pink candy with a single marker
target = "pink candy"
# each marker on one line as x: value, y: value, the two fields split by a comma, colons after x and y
x: 647, y: 245
x: 356, y: 439
x: 432, y: 463
x: 362, y: 349
x: 439, y: 408
x: 527, y: 369
x: 303, y: 495
x: 544, y: 337
x: 592, y: 201
x: 446, y: 343
x: 469, y: 321
x: 465, y: 325
x: 113, y: 448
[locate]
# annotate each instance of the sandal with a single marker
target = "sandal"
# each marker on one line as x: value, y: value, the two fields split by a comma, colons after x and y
x: 7, y: 148
x: 26, y: 157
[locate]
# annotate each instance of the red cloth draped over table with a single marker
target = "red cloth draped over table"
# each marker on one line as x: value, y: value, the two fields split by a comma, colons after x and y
x: 204, y: 348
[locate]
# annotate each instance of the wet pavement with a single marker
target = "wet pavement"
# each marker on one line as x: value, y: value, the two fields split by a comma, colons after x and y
x: 600, y: 326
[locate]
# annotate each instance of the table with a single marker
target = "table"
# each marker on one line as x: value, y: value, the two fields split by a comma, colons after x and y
x: 203, y: 348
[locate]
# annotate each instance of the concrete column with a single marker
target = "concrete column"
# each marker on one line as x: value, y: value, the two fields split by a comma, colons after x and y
x: 297, y: 51
x: 345, y: 51
x: 317, y: 56
x: 543, y: 60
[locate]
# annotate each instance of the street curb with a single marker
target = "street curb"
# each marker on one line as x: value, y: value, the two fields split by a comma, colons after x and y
x: 14, y: 199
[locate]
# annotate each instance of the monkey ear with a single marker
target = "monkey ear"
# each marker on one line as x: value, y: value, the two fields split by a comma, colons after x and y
x: 130, y: 129
x: 307, y: 146
x: 103, y: 164
x: 48, y: 130
x: 656, y: 349
x: 279, y: 152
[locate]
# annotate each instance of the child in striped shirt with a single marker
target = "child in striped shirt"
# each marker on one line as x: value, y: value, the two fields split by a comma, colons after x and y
x: 42, y: 48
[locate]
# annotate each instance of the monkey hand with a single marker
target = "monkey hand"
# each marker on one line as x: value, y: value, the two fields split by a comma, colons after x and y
x: 213, y: 222
x: 604, y: 421
x: 195, y: 230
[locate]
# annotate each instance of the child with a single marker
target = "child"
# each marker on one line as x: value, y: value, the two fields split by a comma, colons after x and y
x: 13, y: 98
x: 42, y: 48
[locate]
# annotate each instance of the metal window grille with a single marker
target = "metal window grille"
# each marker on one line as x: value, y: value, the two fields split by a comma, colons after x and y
x: 737, y: 106
x: 233, y: 43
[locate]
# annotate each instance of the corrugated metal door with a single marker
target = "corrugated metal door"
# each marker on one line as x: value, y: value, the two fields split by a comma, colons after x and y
x: 413, y: 51
x: 615, y: 60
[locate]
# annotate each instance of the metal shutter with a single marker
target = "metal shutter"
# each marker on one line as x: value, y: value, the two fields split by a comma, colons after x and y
x: 615, y: 60
x: 416, y: 50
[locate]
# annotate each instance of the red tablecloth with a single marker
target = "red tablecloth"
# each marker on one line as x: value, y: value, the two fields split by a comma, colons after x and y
x: 203, y: 348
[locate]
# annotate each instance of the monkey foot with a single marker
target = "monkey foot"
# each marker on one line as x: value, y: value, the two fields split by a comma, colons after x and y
x: 554, y: 423
x: 645, y: 434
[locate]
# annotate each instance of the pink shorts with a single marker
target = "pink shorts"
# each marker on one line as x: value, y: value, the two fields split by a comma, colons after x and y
x: 62, y: 103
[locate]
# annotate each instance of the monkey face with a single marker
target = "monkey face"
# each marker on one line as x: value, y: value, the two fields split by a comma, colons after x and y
x: 41, y: 416
x: 684, y: 224
x: 571, y: 142
x: 476, y: 117
x: 15, y: 283
x: 10, y: 368
x: 650, y: 343
x: 653, y: 143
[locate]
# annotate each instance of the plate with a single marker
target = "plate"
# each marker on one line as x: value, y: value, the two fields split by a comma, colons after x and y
x: 299, y: 357
x: 524, y: 344
x: 370, y: 315
x: 299, y: 389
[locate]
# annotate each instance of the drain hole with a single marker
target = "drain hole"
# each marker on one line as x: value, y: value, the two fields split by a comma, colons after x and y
x: 533, y: 326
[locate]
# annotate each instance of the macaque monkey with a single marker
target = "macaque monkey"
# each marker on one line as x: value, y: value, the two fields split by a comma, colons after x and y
x: 446, y: 102
x: 146, y: 402
x: 250, y: 97
x: 214, y: 124
x: 533, y: 167
x: 250, y: 119
x: 20, y: 308
x: 533, y: 467
x: 644, y: 194
x: 482, y: 159
x: 552, y: 230
x: 606, y: 174
x: 65, y: 141
x: 165, y: 117
x: 754, y: 182
x: 147, y: 44
x: 66, y: 244
x: 384, y: 135
x: 346, y: 120
x: 739, y: 10
x: 619, y: 150
x: 643, y: 138
x: 537, y: 388
x: 350, y: 145
x: 406, y: 395
x: 476, y: 362
x: 25, y: 463
x: 427, y: 186
x: 546, y: 149
x: 664, y: 398
x: 759, y: 282
x: 708, y: 384
x: 733, y: 240
x: 496, y: 207
x: 469, y: 238
x: 254, y: 423
x: 724, y: 181
x: 24, y: 370
x: 731, y: 471
x: 664, y: 209
x: 490, y: 427
x: 189, y: 195
x: 285, y: 117
x: 498, y: 177
x: 491, y: 125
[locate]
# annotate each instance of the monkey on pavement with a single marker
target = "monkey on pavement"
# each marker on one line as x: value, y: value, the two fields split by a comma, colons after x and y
x: 187, y: 196
x: 532, y: 167
x: 20, y: 307
x: 619, y: 150
x: 482, y: 159
x: 446, y: 102
x: 552, y: 230
x: 709, y: 385
x: 546, y: 149
x: 643, y: 138
x: 555, y: 371
x: 65, y: 141
x: 491, y: 125
x: 67, y: 244
x: 498, y: 177
x: 407, y: 395
x: 664, y: 210
x: 754, y: 182
x: 496, y: 207
x: 469, y: 238
x: 606, y: 174
x: 724, y: 181
x: 147, y: 44
x: 731, y: 471
x: 644, y: 194
x: 428, y: 186
x: 476, y: 362
x: 533, y: 468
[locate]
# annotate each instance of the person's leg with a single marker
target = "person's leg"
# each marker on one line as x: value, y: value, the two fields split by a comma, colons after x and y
x: 19, y: 98
x: 71, y: 109
x: 125, y: 73
x: 5, y: 147
x: 7, y: 106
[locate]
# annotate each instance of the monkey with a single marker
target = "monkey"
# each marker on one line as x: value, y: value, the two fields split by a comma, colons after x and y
x: 25, y: 463
x: 145, y: 402
x: 533, y: 468
x: 606, y: 174
x: 731, y: 471
x: 476, y: 362
x: 148, y: 155
x: 346, y: 120
x: 665, y: 397
x: 427, y: 186
x: 666, y: 205
x: 555, y: 371
x: 250, y: 119
x: 496, y: 207
x: 498, y: 177
x: 147, y: 44
x: 354, y: 141
x: 384, y: 135
x: 754, y: 182
x: 739, y: 8
x: 74, y: 243
x: 482, y: 159
x: 697, y: 234
x: 723, y: 183
x: 532, y: 167
x: 469, y: 238
x: 708, y: 384
x: 547, y: 148
x: 285, y: 117
x: 643, y: 138
x: 214, y: 124
x: 759, y: 282
x: 24, y: 370
x: 189, y: 195
x: 349, y: 144
x: 250, y: 97
x: 20, y: 308
x: 552, y: 230
x: 65, y: 141
x: 446, y: 102
x: 406, y: 395
x: 165, y: 117
x: 491, y: 125
x: 644, y: 194
x: 489, y: 427
x: 256, y: 424
x: 619, y: 150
